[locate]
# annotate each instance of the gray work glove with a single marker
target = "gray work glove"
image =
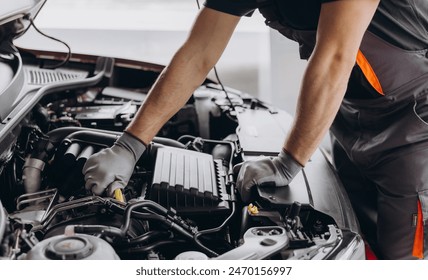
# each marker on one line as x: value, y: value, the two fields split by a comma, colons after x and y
x: 266, y: 171
x: 111, y: 168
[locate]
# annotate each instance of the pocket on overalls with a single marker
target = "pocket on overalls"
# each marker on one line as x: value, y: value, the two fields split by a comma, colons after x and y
x: 421, y: 110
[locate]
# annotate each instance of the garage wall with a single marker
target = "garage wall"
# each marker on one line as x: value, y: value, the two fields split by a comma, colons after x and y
x: 257, y: 60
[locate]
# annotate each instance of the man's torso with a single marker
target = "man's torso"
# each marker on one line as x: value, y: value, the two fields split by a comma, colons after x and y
x: 403, y: 23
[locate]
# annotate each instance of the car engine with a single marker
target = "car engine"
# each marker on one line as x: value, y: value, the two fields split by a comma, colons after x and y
x: 181, y: 201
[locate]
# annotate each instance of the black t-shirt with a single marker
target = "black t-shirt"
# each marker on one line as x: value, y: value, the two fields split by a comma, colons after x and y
x: 403, y: 23
x: 299, y: 14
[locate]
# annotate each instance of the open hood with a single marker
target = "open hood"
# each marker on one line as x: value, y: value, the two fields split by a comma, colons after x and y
x: 11, y: 15
x: 14, y: 21
x: 17, y: 9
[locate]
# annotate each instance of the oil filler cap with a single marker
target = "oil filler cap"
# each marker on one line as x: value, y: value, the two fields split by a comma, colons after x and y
x: 69, y: 248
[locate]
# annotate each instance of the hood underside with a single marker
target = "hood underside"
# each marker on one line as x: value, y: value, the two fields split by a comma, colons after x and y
x: 12, y: 14
x: 17, y: 9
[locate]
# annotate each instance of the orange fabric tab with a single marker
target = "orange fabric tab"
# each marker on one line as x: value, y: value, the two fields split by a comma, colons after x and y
x: 418, y: 244
x: 369, y: 72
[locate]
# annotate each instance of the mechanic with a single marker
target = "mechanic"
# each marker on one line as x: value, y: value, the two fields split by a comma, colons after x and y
x: 366, y: 79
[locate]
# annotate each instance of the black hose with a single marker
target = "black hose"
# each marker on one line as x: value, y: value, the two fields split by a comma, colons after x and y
x: 148, y: 236
x: 163, y: 217
x: 108, y: 138
x: 100, y: 229
x: 113, y: 231
x: 130, y: 207
x: 105, y: 137
x: 147, y: 203
x: 93, y: 137
x: 58, y: 135
x: 216, y: 229
x: 147, y: 216
x: 143, y: 239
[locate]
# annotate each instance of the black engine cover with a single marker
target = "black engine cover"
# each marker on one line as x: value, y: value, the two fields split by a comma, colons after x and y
x: 189, y: 181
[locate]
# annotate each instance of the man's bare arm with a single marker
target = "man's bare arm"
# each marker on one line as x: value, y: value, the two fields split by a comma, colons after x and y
x: 340, y: 30
x: 187, y: 70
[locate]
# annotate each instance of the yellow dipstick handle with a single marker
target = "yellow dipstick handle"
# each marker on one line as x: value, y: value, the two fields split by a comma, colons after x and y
x: 253, y: 209
x: 118, y: 195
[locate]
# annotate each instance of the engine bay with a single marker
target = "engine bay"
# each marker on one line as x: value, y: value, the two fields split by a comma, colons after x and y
x: 181, y: 201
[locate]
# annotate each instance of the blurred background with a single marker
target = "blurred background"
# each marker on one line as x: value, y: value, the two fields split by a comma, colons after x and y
x: 258, y: 60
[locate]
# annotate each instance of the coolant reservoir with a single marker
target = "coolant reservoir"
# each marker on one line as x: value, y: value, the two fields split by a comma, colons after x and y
x: 76, y: 247
x: 191, y: 255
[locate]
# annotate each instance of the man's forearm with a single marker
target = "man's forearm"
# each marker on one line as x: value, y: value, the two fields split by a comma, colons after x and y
x: 322, y: 91
x: 170, y: 92
x: 190, y: 65
x: 340, y: 30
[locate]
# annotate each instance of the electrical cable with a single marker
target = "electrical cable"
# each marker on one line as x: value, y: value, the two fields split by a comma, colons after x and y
x: 67, y: 58
x: 217, y: 76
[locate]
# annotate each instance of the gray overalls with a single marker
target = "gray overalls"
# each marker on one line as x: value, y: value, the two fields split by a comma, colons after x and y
x: 381, y: 133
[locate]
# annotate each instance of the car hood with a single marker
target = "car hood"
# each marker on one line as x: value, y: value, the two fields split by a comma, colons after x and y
x: 15, y: 18
x: 17, y: 10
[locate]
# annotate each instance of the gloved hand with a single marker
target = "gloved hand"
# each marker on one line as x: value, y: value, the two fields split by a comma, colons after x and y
x: 111, y: 168
x: 267, y: 171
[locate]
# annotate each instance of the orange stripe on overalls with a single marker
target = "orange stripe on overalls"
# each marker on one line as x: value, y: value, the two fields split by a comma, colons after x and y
x: 368, y: 72
x: 418, y: 244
